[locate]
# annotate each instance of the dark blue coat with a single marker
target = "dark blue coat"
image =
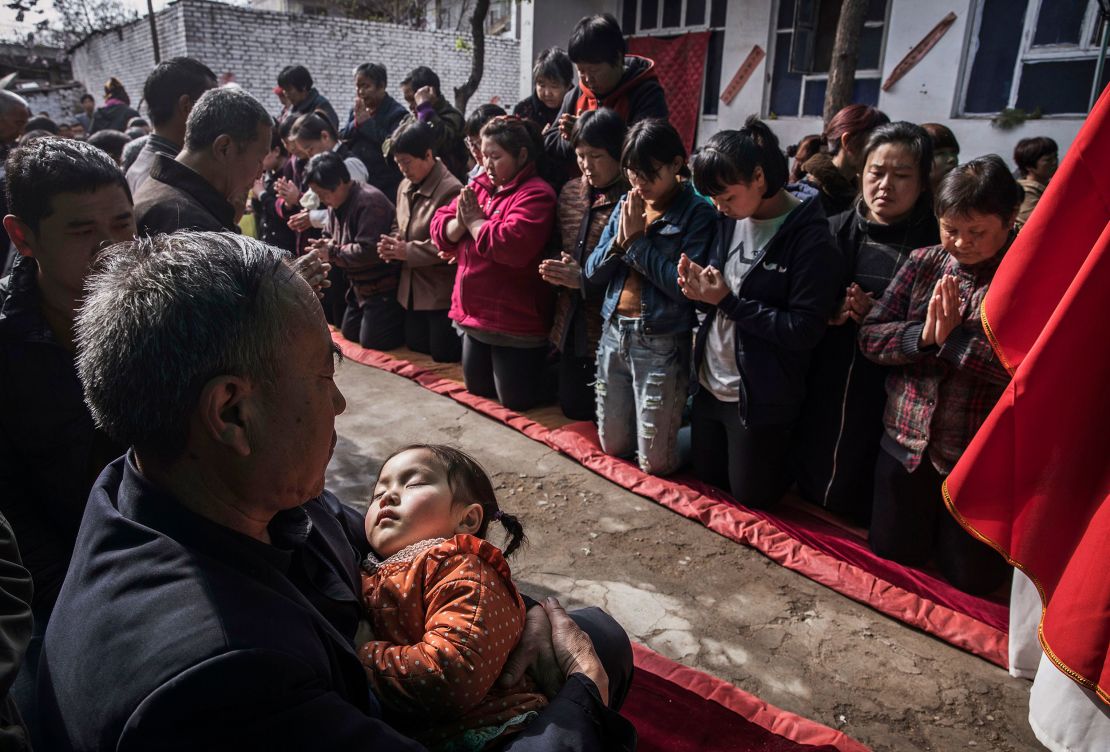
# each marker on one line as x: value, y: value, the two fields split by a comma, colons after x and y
x: 780, y: 312
x: 173, y: 632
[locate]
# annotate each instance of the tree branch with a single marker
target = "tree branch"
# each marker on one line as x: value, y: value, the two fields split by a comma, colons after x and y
x: 478, y: 57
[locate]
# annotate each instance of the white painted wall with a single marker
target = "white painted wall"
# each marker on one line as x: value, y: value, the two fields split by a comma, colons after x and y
x: 928, y: 93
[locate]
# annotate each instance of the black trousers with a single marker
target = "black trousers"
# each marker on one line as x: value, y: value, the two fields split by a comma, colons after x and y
x: 576, y: 387
x: 377, y: 323
x: 432, y: 333
x: 511, y: 375
x: 751, y: 463
x: 910, y: 525
x: 335, y: 297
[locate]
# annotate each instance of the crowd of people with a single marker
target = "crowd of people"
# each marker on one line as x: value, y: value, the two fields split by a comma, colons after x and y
x: 169, y: 403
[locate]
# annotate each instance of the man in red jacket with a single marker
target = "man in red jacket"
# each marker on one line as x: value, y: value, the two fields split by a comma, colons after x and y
x: 607, y: 77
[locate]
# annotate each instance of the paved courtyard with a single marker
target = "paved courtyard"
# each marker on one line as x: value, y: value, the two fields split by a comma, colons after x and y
x: 692, y: 595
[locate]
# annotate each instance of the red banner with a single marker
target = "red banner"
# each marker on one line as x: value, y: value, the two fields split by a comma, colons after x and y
x: 680, y: 65
x: 1035, y: 482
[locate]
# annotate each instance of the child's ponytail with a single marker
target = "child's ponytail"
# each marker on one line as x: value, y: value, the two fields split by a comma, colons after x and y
x: 513, y: 528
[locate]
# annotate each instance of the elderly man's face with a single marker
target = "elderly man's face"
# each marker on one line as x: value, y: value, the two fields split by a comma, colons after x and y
x: 294, y: 437
x: 244, y: 163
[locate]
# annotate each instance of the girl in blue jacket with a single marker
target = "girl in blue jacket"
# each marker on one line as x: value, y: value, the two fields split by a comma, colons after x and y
x: 769, y: 288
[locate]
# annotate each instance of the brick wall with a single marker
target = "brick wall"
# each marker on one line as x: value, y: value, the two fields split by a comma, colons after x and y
x: 254, y: 45
x: 60, y: 102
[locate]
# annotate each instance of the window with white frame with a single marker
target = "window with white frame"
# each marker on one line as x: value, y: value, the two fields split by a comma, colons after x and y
x: 666, y: 18
x: 805, y: 31
x: 1045, y: 62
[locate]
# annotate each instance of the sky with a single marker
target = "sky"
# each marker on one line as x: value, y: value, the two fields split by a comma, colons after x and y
x: 10, y: 29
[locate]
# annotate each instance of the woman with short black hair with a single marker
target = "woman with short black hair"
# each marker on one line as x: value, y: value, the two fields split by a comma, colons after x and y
x: 838, y: 435
x: 944, y: 378
x: 552, y: 77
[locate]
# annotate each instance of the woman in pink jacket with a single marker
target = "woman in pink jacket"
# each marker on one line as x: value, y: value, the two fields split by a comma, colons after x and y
x: 497, y: 230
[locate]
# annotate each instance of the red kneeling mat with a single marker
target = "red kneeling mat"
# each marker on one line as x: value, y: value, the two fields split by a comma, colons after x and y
x: 678, y: 709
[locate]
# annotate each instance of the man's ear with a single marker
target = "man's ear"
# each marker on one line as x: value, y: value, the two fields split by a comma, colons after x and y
x: 226, y: 409
x: 222, y: 147
x: 470, y: 519
x: 185, y: 105
x: 22, y: 236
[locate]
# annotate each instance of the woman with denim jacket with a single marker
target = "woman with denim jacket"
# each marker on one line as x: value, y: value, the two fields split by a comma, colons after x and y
x: 644, y: 354
x: 769, y: 288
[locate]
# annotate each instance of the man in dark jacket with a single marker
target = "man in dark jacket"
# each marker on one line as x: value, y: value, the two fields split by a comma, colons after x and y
x: 227, y: 135
x: 373, y: 119
x: 15, y: 635
x: 208, y: 605
x: 69, y: 199
x: 170, y: 91
x: 607, y: 77
x: 296, y: 82
x: 421, y: 89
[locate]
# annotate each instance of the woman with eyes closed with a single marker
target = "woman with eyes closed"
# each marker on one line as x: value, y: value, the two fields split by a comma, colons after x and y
x: 943, y: 377
x: 838, y: 438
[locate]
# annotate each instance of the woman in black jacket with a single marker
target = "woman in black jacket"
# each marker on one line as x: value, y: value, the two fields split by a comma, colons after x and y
x: 769, y: 289
x: 838, y: 437
x: 117, y: 110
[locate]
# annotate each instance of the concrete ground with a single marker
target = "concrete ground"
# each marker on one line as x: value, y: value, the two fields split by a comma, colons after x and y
x: 692, y: 595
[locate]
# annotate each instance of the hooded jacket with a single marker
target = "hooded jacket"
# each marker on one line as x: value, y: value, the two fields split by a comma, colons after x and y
x: 638, y: 96
x: 112, y: 117
x: 497, y: 286
x: 780, y: 312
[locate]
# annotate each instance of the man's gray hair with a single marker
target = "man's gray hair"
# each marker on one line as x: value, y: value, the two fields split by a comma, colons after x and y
x: 165, y: 314
x: 225, y: 111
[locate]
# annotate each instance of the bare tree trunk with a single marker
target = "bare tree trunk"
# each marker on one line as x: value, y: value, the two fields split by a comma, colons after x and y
x: 153, y: 31
x: 478, y: 59
x: 845, y: 55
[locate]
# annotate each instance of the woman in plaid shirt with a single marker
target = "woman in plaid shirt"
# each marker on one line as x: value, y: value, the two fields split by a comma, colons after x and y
x: 946, y: 377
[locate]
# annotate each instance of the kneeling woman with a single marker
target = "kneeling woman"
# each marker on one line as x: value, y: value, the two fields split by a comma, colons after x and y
x: 770, y: 287
x: 497, y: 230
x: 644, y: 355
x: 948, y: 377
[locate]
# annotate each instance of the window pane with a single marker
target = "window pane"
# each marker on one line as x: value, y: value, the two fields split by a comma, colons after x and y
x: 717, y: 14
x: 870, y: 44
x: 876, y: 10
x: 1059, y: 22
x: 864, y: 91
x: 628, y: 17
x: 672, y: 13
x: 1058, y: 88
x: 828, y: 15
x: 786, y: 14
x: 786, y: 87
x: 649, y: 14
x: 814, y: 104
x: 695, y: 12
x: 714, y: 56
x: 992, y: 72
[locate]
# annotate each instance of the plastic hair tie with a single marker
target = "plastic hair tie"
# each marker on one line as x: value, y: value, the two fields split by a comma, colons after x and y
x: 498, y: 515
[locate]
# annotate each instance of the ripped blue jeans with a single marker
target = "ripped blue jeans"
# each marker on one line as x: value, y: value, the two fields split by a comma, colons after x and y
x: 641, y: 389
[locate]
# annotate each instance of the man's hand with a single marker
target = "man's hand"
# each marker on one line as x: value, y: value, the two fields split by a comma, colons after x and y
x: 314, y: 270
x: 701, y: 283
x: 424, y: 94
x: 392, y: 248
x: 565, y: 124
x: 564, y: 271
x: 535, y: 653
x: 299, y: 222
